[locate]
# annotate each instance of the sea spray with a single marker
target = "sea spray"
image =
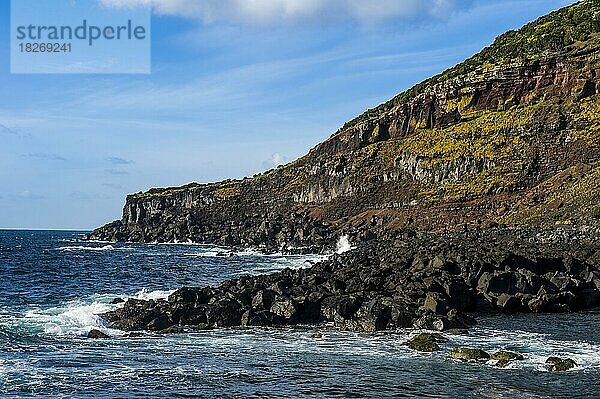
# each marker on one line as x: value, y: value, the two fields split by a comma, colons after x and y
x: 343, y: 245
x: 80, y: 316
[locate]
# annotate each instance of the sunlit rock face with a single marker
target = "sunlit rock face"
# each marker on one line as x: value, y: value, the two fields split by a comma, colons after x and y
x: 509, y: 137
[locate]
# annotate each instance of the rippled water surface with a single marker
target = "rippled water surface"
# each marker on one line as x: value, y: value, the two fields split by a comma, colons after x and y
x: 52, y: 286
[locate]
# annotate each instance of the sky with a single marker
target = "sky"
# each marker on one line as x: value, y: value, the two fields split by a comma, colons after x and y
x: 237, y: 87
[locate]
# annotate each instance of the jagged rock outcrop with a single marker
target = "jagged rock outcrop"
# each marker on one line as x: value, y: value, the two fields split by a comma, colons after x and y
x: 511, y: 136
x: 426, y: 281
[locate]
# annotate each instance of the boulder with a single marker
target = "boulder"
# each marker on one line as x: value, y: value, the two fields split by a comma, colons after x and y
x: 504, y: 358
x: 224, y: 313
x: 97, y: 334
x: 505, y: 355
x: 468, y: 354
x: 538, y: 304
x: 286, y: 308
x: 425, y: 342
x: 159, y: 323
x: 185, y: 294
x: 436, y: 303
x: 343, y: 307
x: 253, y: 317
x: 590, y: 297
x: 460, y: 295
x: 499, y: 283
x: 454, y: 320
x: 560, y: 364
x: 509, y: 303
x: 372, y: 316
x: 263, y: 299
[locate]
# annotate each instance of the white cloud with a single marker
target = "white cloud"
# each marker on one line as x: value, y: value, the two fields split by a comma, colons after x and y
x: 45, y: 155
x: 119, y: 161
x: 276, y: 160
x: 273, y: 12
x: 279, y: 159
x: 28, y: 195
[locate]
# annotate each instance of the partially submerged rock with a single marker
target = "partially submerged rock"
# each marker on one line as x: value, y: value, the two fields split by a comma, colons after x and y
x: 467, y: 354
x: 425, y: 342
x: 172, y: 330
x: 97, y: 334
x: 505, y: 355
x: 504, y: 358
x: 560, y: 364
x: 452, y: 320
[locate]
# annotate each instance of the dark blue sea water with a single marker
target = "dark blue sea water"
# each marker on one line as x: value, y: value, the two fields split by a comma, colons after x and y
x: 52, y: 286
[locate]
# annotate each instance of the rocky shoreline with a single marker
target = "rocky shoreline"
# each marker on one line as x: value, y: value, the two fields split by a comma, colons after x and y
x: 426, y: 281
x: 438, y: 189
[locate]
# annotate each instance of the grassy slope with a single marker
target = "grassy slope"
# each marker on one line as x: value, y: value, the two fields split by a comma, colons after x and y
x: 548, y: 35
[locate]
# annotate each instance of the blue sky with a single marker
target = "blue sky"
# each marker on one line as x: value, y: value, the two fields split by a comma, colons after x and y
x: 234, y: 90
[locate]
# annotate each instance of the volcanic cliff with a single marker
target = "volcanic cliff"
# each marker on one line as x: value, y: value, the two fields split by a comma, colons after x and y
x: 476, y: 191
x: 510, y: 137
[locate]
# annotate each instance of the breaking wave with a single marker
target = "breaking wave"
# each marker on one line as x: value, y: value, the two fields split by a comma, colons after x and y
x: 77, y: 318
x: 85, y: 248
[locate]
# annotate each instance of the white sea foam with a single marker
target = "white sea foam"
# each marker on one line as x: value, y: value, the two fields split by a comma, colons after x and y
x: 95, y: 241
x: 535, y: 347
x: 79, y: 317
x: 290, y: 259
x: 343, y: 245
x: 85, y: 248
x: 207, y: 254
x: 76, y: 318
x: 182, y: 243
x: 146, y: 295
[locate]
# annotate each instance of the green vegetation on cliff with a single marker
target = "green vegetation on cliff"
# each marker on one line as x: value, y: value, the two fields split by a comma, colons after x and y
x: 547, y: 36
x: 510, y: 136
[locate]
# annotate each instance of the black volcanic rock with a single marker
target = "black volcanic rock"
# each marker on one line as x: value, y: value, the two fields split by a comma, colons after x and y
x: 398, y: 283
x: 475, y: 191
x: 558, y: 364
x: 97, y: 334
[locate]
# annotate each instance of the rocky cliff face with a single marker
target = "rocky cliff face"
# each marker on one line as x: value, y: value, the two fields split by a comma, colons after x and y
x: 509, y: 137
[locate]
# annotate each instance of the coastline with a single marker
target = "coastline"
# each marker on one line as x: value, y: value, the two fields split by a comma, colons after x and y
x: 425, y: 281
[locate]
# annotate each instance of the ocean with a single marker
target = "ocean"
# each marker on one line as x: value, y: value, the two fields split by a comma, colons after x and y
x: 53, y: 285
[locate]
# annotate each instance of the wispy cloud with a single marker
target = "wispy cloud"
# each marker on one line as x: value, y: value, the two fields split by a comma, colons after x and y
x: 10, y: 131
x: 113, y: 186
x: 119, y: 161
x: 246, y: 87
x: 43, y: 155
x: 6, y: 129
x: 274, y: 12
x: 117, y: 172
x: 28, y: 195
x: 84, y: 196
